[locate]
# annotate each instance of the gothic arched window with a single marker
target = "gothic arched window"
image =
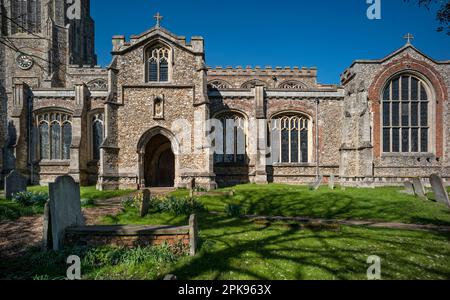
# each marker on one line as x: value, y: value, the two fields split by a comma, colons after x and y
x: 291, y: 138
x: 232, y: 145
x: 26, y: 15
x: 97, y: 135
x: 405, y: 114
x: 157, y: 64
x: 55, y: 136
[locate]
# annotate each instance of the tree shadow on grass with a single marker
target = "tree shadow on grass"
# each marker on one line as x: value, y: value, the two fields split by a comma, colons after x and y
x: 237, y: 249
x: 374, y: 205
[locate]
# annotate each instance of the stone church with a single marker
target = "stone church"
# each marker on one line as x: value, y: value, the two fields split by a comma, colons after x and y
x: 159, y: 116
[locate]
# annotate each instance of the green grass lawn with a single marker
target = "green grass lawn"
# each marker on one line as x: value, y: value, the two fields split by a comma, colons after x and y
x: 240, y: 249
x: 87, y: 192
x: 380, y: 204
x: 10, y: 210
x: 233, y: 248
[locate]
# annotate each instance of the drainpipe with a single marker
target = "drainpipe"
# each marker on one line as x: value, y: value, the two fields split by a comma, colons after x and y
x: 317, y: 139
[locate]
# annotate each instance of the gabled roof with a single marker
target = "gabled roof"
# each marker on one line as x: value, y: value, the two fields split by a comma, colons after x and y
x: 395, y: 53
x: 155, y: 32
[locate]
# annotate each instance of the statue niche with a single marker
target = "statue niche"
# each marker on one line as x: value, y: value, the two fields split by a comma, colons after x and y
x: 158, y: 107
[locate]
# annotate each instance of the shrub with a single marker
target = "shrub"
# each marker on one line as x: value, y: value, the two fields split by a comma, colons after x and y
x: 177, y: 205
x: 7, y: 213
x: 87, y: 202
x: 129, y: 202
x: 30, y: 199
x: 233, y: 210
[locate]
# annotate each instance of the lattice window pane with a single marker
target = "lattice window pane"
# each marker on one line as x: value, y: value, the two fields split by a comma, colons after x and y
x: 415, y: 140
x: 386, y: 140
x: 164, y: 71
x: 424, y: 114
x: 414, y: 114
x: 304, y: 145
x: 386, y: 114
x: 395, y: 114
x: 424, y: 140
x: 67, y: 140
x: 405, y: 140
x: 44, y: 141
x: 395, y: 140
x: 285, y: 146
x: 294, y: 146
x: 153, y: 71
x: 396, y: 89
x: 55, y: 132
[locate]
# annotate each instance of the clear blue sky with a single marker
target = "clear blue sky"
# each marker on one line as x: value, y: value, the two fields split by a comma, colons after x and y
x: 327, y: 34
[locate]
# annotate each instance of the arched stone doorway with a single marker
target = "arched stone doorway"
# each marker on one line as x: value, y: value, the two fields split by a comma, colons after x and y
x: 159, y: 162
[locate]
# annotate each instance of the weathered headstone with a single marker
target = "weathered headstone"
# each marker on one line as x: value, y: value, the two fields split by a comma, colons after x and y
x: 191, y: 184
x: 193, y: 234
x: 14, y: 183
x: 65, y: 208
x: 409, y: 188
x: 316, y: 185
x: 440, y: 193
x: 418, y: 188
x: 331, y: 182
x: 47, y: 229
x: 145, y: 205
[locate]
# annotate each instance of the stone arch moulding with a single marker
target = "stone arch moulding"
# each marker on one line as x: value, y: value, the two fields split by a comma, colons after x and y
x: 407, y: 64
x: 142, y: 144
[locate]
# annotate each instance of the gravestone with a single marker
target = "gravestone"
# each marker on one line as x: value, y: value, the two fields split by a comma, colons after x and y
x: 418, y: 188
x: 409, y: 188
x: 191, y: 184
x: 193, y: 234
x: 440, y: 193
x: 145, y: 205
x: 47, y: 229
x: 331, y: 182
x: 14, y: 183
x: 65, y: 208
x: 316, y: 185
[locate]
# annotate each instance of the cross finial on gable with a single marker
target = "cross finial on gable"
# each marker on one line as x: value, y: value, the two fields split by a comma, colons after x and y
x: 408, y: 37
x: 158, y: 19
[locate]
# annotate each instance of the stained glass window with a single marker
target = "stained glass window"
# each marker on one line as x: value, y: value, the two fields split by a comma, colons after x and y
x: 405, y: 109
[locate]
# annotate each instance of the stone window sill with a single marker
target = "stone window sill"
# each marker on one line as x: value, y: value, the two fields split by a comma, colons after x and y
x: 409, y: 155
x: 294, y: 165
x: 54, y: 163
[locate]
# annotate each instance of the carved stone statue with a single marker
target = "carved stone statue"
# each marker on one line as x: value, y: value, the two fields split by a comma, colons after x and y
x: 159, y: 107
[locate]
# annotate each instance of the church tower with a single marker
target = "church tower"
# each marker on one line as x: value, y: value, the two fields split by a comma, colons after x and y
x: 39, y: 41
